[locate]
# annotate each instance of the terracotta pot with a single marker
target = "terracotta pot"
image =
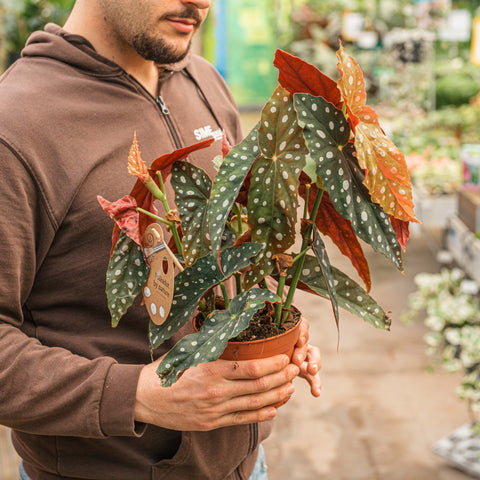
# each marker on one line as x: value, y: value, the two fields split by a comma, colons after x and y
x: 262, y: 348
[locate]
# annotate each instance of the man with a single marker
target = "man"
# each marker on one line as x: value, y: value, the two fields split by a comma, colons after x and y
x: 83, y: 399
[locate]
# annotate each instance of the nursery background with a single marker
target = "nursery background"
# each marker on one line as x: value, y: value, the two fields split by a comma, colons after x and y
x: 395, y: 405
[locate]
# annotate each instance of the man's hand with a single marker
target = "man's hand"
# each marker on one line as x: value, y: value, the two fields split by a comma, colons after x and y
x: 216, y: 394
x: 308, y: 359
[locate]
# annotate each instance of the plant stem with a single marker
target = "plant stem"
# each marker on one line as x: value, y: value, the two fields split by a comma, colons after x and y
x: 225, y: 295
x: 156, y: 217
x: 238, y: 282
x: 278, y: 306
x: 307, y: 196
x: 171, y: 225
x: 160, y: 181
x: 305, y: 247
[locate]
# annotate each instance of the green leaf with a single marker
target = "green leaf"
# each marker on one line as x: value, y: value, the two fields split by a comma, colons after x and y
x: 227, y: 183
x: 192, y: 190
x: 273, y: 196
x: 126, y: 275
x: 209, y: 343
x: 327, y: 133
x: 351, y: 296
x: 324, y: 262
x: 194, y: 281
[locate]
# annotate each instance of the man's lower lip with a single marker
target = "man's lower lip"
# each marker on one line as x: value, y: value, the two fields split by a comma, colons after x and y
x: 182, y: 27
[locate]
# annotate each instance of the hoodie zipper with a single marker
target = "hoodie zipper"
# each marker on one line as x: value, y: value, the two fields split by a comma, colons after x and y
x: 166, y: 115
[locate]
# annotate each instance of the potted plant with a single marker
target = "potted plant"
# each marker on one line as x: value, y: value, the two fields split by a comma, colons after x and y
x: 317, y: 140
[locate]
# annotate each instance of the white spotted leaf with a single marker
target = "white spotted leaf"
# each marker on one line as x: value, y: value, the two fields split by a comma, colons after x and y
x: 192, y: 188
x: 323, y: 261
x: 387, y: 177
x: 350, y: 295
x: 227, y: 184
x: 273, y: 195
x: 193, y: 283
x: 210, y: 341
x: 327, y: 133
x: 126, y: 275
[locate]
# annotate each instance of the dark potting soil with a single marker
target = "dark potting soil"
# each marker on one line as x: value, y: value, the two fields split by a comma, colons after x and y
x: 262, y: 325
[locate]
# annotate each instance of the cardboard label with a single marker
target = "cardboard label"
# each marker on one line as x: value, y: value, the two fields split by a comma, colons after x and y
x: 158, y: 290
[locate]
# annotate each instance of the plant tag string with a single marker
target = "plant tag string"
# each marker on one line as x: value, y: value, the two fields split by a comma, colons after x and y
x: 158, y: 290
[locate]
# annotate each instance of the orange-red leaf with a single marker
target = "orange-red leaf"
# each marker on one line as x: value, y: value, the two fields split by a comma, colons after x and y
x: 298, y: 76
x: 143, y: 196
x: 386, y: 173
x: 125, y: 214
x: 401, y: 229
x: 331, y: 223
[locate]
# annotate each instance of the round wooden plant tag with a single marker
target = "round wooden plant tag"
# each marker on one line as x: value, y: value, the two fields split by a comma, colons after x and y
x: 158, y: 290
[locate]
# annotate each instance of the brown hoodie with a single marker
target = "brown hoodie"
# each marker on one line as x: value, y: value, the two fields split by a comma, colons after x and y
x: 67, y: 379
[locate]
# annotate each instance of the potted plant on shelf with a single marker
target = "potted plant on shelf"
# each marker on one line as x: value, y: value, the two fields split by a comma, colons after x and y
x: 316, y: 140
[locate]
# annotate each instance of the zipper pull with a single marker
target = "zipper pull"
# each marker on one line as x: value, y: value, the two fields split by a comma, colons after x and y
x: 162, y: 105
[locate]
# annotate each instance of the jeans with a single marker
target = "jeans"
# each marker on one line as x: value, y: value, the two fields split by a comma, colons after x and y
x: 23, y: 475
x: 259, y: 472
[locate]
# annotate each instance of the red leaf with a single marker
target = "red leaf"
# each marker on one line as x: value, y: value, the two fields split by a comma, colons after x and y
x: 401, y: 229
x: 226, y: 147
x: 142, y: 195
x: 125, y: 214
x: 298, y: 76
x: 331, y: 223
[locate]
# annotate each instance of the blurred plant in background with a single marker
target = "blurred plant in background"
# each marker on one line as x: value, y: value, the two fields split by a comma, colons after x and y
x: 452, y: 309
x: 22, y: 17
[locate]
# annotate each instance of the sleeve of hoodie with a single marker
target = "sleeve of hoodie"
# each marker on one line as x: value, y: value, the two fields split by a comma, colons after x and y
x: 48, y: 390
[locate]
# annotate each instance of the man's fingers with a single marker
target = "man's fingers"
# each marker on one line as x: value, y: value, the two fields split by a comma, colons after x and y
x: 253, y: 369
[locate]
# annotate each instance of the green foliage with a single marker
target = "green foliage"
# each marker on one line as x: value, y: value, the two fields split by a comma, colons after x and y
x: 195, y: 281
x: 192, y: 188
x: 350, y: 295
x: 455, y: 89
x: 23, y: 17
x: 126, y: 275
x: 327, y: 133
x: 209, y: 343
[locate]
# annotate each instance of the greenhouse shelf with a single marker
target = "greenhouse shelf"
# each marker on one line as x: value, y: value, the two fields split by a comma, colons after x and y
x: 464, y: 247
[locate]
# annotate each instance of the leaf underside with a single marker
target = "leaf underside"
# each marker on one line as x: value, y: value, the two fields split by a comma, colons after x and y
x: 210, y: 341
x: 126, y: 275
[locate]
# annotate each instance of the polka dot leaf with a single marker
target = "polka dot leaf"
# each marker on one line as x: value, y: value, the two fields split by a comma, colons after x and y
x: 210, y: 341
x: 126, y: 275
x: 273, y: 195
x: 331, y: 223
x: 323, y: 261
x: 194, y: 281
x: 192, y: 188
x: 386, y: 174
x: 327, y: 133
x: 350, y: 295
x: 227, y: 183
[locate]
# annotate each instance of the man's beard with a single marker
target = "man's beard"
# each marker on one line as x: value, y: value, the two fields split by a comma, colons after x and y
x: 158, y: 50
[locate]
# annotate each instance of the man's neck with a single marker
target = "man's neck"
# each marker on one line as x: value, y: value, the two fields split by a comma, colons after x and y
x: 82, y: 22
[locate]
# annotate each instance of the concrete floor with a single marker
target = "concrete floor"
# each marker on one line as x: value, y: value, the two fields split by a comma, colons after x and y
x: 380, y: 411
